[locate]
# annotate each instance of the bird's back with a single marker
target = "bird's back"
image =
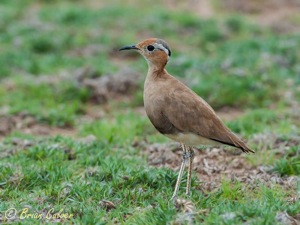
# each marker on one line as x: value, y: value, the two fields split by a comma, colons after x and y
x: 179, y: 113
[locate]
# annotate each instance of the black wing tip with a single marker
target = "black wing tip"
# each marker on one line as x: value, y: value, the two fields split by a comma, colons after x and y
x: 243, y: 147
x: 247, y: 150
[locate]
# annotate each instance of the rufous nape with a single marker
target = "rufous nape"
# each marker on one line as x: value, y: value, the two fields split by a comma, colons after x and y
x: 177, y: 112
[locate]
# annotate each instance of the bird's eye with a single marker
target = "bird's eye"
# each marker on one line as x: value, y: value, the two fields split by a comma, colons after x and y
x: 150, y: 48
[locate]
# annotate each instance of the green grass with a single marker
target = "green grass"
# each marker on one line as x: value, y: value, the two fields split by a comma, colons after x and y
x: 57, y: 104
x: 44, y: 174
x: 226, y: 59
x: 290, y: 164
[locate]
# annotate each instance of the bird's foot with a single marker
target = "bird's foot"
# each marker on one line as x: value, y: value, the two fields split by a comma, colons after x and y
x: 187, y: 155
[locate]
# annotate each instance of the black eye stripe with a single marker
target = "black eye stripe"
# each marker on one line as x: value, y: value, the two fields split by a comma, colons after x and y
x: 150, y: 48
x: 169, y: 52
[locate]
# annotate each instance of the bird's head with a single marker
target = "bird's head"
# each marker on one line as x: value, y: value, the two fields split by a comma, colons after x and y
x: 156, y: 51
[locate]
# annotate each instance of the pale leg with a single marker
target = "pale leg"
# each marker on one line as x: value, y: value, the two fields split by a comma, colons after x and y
x: 185, y: 157
x: 189, y: 176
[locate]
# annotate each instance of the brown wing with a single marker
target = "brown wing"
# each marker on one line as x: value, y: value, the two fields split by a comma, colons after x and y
x: 187, y: 112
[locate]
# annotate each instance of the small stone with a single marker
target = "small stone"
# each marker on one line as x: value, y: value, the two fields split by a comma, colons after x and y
x: 107, y: 205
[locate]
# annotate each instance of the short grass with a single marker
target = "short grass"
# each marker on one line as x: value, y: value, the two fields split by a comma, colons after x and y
x: 227, y: 60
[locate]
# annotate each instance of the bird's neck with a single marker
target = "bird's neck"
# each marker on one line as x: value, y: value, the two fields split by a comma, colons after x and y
x: 156, y: 71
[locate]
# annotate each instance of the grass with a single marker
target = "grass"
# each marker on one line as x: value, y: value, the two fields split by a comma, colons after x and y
x: 45, y: 176
x: 62, y: 105
x: 226, y: 59
x: 290, y: 164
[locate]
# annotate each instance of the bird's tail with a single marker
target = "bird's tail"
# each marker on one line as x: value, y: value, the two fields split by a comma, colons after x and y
x: 238, y: 143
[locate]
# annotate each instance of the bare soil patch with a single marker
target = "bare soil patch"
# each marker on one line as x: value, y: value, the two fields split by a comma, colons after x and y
x: 108, y: 87
x: 28, y: 124
x: 214, y: 164
x: 228, y: 113
x: 203, y: 8
x: 282, y: 16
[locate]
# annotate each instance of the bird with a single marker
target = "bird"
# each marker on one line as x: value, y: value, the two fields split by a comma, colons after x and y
x: 178, y: 112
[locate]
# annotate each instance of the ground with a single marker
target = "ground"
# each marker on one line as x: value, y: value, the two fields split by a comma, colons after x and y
x: 77, y: 147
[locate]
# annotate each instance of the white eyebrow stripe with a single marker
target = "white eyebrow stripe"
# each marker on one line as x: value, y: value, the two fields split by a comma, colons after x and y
x: 160, y: 46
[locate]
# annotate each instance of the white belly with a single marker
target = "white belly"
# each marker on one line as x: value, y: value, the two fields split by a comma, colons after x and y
x: 192, y: 139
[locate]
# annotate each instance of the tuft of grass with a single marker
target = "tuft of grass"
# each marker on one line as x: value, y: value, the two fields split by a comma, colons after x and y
x: 256, y: 121
x: 288, y: 166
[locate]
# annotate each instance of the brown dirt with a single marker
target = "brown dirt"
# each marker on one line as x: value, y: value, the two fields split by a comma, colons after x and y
x: 214, y: 164
x: 228, y: 113
x: 203, y: 8
x: 259, y: 6
x: 282, y: 16
x: 27, y: 124
x: 105, y: 88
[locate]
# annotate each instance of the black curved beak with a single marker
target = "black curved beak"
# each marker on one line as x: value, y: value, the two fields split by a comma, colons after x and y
x: 129, y: 47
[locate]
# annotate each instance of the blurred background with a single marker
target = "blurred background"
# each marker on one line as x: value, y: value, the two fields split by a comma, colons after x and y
x: 63, y: 82
x: 59, y: 58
